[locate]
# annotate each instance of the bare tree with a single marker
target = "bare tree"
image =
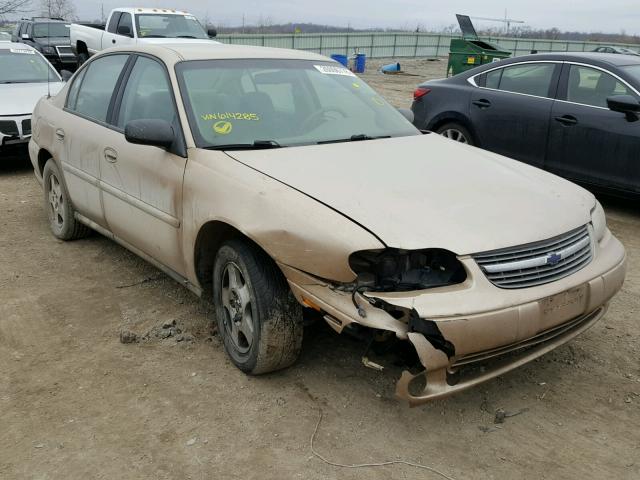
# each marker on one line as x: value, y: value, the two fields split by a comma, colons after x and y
x: 13, y: 6
x: 58, y: 8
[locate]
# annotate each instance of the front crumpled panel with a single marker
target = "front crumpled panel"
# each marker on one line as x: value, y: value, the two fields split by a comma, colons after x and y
x: 291, y: 227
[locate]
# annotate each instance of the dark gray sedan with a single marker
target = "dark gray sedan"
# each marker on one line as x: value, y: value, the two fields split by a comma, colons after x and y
x: 574, y: 114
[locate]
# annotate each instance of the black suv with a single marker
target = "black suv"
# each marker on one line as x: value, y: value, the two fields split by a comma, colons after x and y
x: 50, y: 36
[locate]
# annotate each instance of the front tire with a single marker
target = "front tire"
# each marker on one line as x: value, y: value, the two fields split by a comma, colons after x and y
x: 60, y: 212
x: 259, y: 320
x: 456, y: 132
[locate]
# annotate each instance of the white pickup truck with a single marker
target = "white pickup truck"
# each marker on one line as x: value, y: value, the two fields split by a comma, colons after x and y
x: 130, y: 26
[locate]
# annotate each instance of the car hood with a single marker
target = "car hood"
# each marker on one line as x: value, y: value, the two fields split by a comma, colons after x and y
x: 181, y: 41
x: 21, y: 98
x: 429, y: 192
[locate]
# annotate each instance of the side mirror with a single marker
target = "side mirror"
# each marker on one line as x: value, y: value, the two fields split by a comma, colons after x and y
x: 124, y: 30
x: 408, y: 114
x: 212, y: 32
x: 66, y: 75
x: 625, y: 104
x: 157, y: 133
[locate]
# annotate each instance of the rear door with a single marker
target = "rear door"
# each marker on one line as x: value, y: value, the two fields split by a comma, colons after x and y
x: 82, y: 128
x: 142, y: 185
x: 116, y: 34
x: 510, y: 110
x: 588, y: 142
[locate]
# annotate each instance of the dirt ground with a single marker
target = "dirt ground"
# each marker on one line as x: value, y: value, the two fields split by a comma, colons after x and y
x: 76, y: 403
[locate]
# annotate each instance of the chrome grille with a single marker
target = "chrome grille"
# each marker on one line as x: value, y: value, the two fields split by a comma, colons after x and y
x: 9, y: 127
x: 537, y: 263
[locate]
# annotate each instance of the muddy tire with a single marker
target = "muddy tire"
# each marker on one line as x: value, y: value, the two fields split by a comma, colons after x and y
x: 259, y: 320
x: 456, y: 132
x: 57, y: 203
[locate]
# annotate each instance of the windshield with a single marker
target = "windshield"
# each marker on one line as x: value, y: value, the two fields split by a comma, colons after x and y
x: 283, y: 102
x: 634, y: 72
x: 170, y: 26
x: 24, y: 66
x: 50, y: 30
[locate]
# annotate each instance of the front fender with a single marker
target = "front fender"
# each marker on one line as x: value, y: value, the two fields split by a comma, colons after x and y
x: 293, y: 228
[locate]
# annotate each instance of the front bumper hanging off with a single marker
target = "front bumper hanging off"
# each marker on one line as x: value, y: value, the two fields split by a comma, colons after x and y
x: 475, y: 331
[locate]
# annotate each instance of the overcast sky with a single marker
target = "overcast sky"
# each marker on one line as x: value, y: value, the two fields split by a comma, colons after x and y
x: 582, y: 15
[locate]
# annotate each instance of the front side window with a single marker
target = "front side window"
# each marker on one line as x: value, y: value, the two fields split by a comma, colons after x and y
x: 96, y: 90
x: 50, y: 30
x: 147, y: 94
x: 590, y: 86
x: 24, y: 65
x: 289, y: 102
x: 169, y: 26
x: 530, y: 79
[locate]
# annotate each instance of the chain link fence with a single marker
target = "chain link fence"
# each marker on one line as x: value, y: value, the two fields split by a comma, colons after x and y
x: 382, y: 44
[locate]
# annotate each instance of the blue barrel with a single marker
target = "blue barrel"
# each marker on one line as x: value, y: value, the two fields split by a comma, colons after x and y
x: 361, y: 62
x: 341, y: 59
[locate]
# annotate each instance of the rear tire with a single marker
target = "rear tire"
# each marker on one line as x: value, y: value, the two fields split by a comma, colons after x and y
x: 259, y: 319
x: 57, y: 203
x: 456, y: 132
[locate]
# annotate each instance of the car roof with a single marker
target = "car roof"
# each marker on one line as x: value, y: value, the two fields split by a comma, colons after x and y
x: 167, y: 11
x: 208, y: 50
x: 596, y: 58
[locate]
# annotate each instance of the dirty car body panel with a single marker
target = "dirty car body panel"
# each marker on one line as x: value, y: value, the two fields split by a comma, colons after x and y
x: 466, y: 255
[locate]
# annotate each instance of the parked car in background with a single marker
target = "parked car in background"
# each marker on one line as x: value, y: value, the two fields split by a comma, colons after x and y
x: 25, y: 77
x: 618, y: 50
x: 50, y: 36
x: 273, y: 180
x: 130, y: 26
x: 5, y: 37
x: 574, y: 114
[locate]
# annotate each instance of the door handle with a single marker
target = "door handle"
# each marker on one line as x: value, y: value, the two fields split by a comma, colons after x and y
x: 110, y: 155
x: 482, y: 103
x: 567, y: 120
x: 60, y: 134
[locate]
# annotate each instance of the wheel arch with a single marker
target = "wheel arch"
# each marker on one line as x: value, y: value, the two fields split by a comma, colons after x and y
x: 210, y: 238
x: 43, y: 157
x: 453, y: 117
x: 81, y: 47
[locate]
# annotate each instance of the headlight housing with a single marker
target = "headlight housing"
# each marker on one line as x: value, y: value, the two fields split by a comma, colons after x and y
x: 398, y: 270
x: 599, y: 221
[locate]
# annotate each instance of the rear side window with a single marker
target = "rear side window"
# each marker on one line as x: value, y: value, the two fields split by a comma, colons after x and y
x: 529, y: 79
x: 73, y: 90
x: 95, y: 92
x: 590, y: 86
x: 113, y: 22
x: 124, y: 24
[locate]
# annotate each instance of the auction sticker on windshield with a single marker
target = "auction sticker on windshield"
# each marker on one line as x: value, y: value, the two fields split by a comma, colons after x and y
x: 222, y: 128
x: 331, y: 70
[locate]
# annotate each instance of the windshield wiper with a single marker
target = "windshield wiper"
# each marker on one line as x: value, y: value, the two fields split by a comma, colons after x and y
x: 186, y: 36
x: 256, y: 145
x: 354, y: 138
x: 155, y: 36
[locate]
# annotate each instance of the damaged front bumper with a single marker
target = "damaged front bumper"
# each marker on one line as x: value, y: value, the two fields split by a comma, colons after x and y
x: 457, y: 329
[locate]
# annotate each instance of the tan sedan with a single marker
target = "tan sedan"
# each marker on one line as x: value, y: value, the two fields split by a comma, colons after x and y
x: 274, y: 181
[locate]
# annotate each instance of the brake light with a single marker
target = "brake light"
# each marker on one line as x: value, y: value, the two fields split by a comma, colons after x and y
x: 420, y: 92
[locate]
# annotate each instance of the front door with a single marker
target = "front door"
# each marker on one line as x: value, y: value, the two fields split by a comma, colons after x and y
x: 142, y: 185
x: 588, y: 142
x: 510, y: 112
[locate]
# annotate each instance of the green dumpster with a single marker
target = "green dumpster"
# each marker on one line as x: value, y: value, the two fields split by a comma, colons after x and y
x: 469, y: 51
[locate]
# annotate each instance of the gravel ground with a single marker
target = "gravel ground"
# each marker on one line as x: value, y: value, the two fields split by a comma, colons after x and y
x: 77, y: 403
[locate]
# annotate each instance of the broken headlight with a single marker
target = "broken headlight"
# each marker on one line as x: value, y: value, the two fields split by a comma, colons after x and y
x: 396, y: 270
